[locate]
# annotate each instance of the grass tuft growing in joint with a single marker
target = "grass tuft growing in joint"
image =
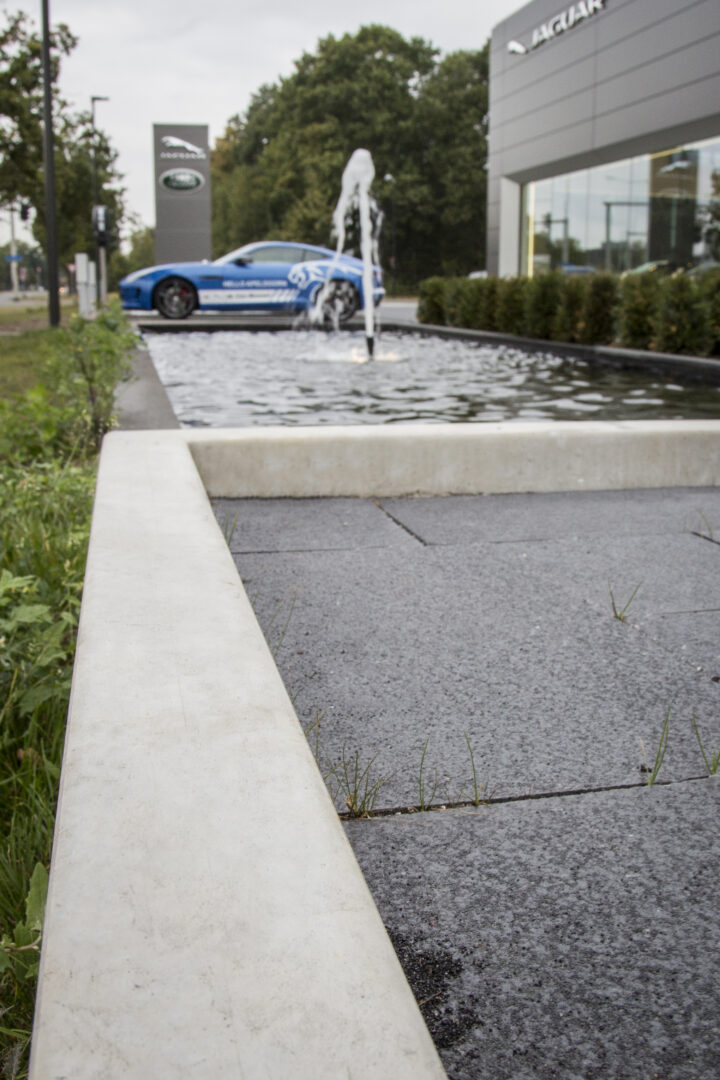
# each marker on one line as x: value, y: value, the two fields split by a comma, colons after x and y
x: 652, y: 774
x: 712, y: 763
x: 619, y: 613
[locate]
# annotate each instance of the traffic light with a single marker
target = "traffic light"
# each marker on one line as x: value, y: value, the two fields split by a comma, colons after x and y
x: 100, y: 225
x: 24, y: 211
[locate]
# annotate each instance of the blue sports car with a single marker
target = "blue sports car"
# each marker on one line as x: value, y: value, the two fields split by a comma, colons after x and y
x: 273, y: 276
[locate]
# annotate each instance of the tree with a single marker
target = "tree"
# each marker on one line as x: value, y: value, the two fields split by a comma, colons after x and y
x: 140, y: 254
x: 276, y: 171
x: 21, y: 140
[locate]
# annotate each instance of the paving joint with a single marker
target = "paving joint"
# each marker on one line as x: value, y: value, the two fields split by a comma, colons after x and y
x: 500, y: 800
x: 400, y: 524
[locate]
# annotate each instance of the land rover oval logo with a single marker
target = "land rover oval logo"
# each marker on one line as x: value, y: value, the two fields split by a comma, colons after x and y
x: 182, y: 180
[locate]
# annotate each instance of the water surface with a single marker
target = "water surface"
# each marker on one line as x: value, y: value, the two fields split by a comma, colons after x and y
x: 241, y: 379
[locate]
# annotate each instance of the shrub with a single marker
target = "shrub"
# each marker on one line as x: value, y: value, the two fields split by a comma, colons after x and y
x: 431, y: 301
x: 569, y: 316
x: 710, y: 292
x: 455, y: 301
x: 510, y: 305
x: 487, y: 303
x: 639, y: 295
x: 71, y: 409
x: 683, y: 318
x: 542, y: 303
x: 600, y: 309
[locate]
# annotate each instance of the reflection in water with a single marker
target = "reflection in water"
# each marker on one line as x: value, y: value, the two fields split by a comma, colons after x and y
x: 241, y: 379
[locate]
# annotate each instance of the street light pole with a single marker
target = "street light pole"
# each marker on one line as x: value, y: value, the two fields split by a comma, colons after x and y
x: 49, y: 162
x: 101, y: 279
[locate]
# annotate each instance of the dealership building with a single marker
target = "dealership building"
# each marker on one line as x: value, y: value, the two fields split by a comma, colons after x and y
x: 604, y: 127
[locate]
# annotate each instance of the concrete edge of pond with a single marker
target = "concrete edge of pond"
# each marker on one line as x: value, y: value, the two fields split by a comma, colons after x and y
x: 206, y: 916
x: 459, y: 459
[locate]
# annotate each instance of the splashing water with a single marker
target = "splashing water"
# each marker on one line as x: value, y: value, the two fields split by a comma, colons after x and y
x: 357, y: 177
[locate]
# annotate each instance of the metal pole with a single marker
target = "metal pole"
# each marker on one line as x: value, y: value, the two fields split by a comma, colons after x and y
x: 49, y: 162
x: 101, y: 280
x: 13, y: 252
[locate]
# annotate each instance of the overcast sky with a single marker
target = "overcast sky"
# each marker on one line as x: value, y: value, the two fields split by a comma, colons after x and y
x: 188, y: 61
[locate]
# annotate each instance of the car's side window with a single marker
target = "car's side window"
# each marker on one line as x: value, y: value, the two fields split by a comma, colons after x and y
x: 276, y: 254
x: 312, y: 256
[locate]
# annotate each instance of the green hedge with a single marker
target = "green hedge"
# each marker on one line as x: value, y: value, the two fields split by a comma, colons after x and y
x: 678, y: 314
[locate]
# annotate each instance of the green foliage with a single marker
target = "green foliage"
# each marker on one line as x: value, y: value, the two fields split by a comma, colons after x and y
x: 71, y: 409
x: 652, y: 773
x: 712, y: 763
x: 141, y: 254
x: 276, y: 171
x: 638, y: 310
x: 431, y: 301
x: 47, y: 443
x: 21, y: 140
x: 683, y: 318
x: 511, y: 305
x: 541, y: 305
x: 600, y: 309
x: 568, y: 323
x: 487, y: 303
x: 458, y: 302
x: 710, y: 293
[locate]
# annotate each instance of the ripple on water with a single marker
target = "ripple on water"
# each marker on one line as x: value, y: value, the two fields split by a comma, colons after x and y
x: 241, y: 379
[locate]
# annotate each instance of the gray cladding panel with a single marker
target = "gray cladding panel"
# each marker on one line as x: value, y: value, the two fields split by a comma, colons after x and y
x: 671, y: 35
x: 561, y: 116
x: 670, y: 109
x: 677, y: 71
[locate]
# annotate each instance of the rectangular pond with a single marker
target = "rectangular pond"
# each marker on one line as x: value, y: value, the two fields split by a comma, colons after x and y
x: 246, y: 378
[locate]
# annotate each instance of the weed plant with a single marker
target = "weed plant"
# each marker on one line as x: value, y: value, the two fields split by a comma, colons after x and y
x: 49, y: 437
x: 712, y: 763
x: 619, y: 613
x: 652, y: 773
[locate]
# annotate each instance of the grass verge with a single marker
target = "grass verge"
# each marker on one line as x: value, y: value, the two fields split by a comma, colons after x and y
x: 55, y: 407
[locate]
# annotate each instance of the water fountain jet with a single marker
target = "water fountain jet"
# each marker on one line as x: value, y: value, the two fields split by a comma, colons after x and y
x: 357, y: 177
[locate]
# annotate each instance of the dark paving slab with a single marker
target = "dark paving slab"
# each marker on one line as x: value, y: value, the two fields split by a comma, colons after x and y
x: 562, y: 938
x: 253, y: 525
x: 511, y: 645
x: 470, y: 518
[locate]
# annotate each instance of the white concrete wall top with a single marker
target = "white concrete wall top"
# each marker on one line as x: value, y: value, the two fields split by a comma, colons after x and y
x: 441, y: 459
x: 206, y: 917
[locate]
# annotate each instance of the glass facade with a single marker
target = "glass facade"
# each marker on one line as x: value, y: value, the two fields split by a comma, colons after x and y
x: 658, y: 209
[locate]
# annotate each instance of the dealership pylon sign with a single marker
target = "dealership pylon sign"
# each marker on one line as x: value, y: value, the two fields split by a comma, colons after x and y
x: 182, y: 192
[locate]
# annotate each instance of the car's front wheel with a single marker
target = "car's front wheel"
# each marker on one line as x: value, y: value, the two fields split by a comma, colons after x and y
x: 175, y: 298
x: 341, y: 301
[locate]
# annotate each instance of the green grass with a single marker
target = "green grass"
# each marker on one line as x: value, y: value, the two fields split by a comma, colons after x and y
x: 619, y: 613
x: 49, y: 436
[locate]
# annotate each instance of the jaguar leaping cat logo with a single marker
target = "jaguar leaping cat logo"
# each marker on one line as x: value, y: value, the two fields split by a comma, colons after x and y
x: 173, y: 143
x: 516, y: 47
x: 301, y: 275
